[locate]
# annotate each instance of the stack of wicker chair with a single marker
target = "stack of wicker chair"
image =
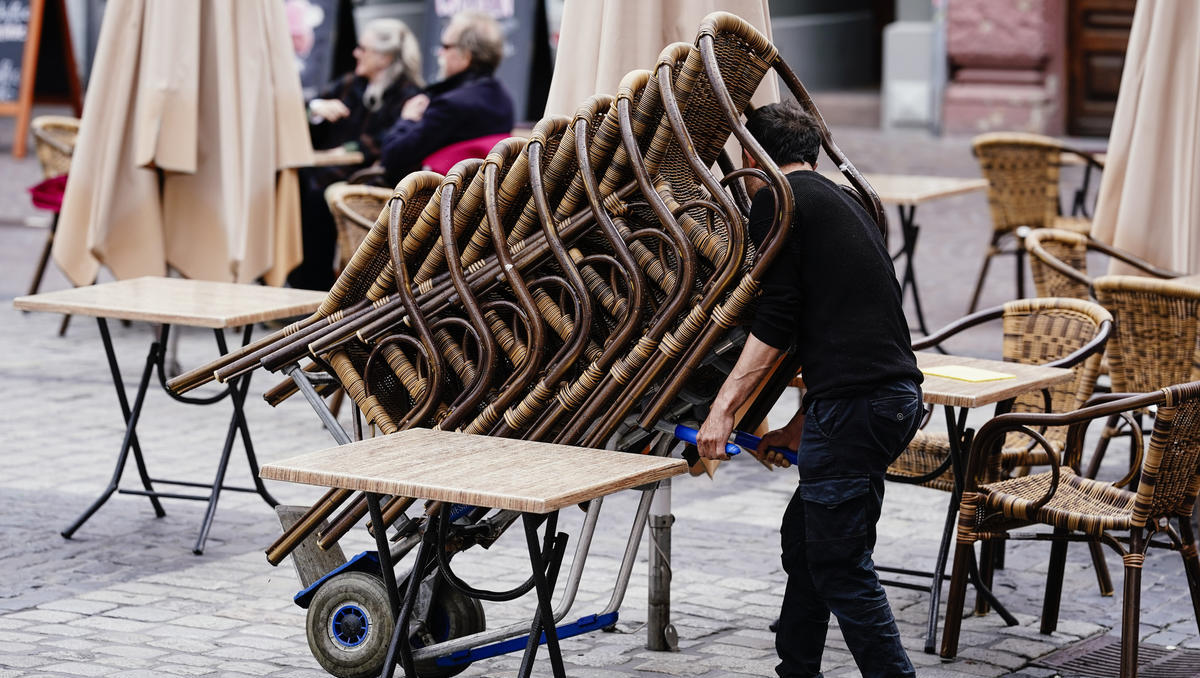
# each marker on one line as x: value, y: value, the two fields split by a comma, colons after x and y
x: 577, y: 287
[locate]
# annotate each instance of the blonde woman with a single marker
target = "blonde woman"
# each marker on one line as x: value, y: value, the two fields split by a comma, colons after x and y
x: 355, y: 111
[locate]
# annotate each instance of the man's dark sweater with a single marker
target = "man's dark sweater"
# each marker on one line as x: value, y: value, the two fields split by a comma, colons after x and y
x: 461, y: 107
x: 832, y: 291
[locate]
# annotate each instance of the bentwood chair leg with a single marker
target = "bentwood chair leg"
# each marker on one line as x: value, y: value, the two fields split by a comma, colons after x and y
x: 987, y: 261
x: 1110, y: 429
x: 1103, y: 578
x: 1020, y: 254
x: 1131, y: 614
x: 987, y: 568
x: 1054, y: 583
x: 963, y: 553
x: 44, y: 258
x: 1191, y: 564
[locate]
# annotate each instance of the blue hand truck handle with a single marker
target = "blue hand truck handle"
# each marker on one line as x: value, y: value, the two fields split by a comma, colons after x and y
x: 740, y: 439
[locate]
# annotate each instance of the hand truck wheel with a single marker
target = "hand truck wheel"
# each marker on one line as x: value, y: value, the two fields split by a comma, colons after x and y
x: 349, y: 626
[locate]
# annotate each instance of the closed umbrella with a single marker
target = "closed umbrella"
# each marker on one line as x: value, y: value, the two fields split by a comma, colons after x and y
x: 1149, y: 201
x: 602, y: 40
x: 192, y: 118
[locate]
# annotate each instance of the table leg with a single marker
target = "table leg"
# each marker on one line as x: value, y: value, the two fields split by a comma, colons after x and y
x: 426, y: 552
x: 545, y: 570
x: 909, y: 232
x: 960, y: 438
x: 130, y: 440
x: 237, y: 425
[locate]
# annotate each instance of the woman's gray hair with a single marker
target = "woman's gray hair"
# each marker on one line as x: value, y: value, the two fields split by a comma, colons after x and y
x: 391, y: 37
x: 481, y: 37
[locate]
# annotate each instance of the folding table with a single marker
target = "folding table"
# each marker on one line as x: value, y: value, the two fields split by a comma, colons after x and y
x: 957, y: 394
x: 174, y: 301
x: 535, y: 479
x: 906, y: 191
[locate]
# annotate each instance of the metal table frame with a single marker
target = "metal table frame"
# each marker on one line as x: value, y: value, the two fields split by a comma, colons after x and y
x: 235, y: 391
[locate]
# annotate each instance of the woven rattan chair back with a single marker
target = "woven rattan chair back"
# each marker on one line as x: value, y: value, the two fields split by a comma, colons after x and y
x: 1039, y: 331
x: 355, y: 208
x: 1058, y: 262
x: 54, y: 141
x: 1170, y: 477
x: 1022, y: 171
x: 1155, y: 340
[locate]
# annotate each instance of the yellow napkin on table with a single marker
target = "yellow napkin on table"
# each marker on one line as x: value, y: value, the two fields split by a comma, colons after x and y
x: 964, y: 373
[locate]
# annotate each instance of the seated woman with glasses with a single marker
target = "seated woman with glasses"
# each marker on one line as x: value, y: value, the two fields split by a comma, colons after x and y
x: 354, y: 112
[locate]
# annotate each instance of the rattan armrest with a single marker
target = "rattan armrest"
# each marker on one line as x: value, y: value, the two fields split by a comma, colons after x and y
x: 957, y: 326
x: 992, y: 433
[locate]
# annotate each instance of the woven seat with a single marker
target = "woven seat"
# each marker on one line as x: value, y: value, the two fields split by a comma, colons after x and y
x: 1082, y: 509
x: 1022, y: 171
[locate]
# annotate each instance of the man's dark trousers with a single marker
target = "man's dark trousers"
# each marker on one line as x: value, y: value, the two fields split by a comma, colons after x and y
x: 828, y: 532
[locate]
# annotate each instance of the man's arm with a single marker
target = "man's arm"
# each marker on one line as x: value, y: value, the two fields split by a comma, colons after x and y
x: 409, y: 142
x: 747, y: 375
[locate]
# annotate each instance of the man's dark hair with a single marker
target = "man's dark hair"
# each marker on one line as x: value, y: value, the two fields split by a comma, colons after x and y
x: 786, y: 131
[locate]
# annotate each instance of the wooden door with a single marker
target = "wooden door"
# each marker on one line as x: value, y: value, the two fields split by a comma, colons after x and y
x: 1097, y: 34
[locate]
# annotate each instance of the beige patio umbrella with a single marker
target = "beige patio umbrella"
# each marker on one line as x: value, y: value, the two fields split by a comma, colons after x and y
x: 602, y: 40
x: 192, y: 118
x: 1149, y: 201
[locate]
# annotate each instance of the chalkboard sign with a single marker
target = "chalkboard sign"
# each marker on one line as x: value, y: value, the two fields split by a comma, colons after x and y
x: 14, y: 27
x: 521, y: 20
x: 24, y: 26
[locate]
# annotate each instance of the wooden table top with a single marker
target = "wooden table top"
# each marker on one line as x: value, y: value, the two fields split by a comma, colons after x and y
x: 334, y: 157
x: 914, y: 189
x: 959, y: 393
x: 175, y: 301
x: 475, y: 470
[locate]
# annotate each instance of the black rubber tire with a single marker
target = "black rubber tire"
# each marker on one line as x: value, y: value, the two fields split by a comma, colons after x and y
x: 453, y: 615
x: 367, y: 593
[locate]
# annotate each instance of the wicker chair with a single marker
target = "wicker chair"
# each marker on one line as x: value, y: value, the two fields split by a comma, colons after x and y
x: 1053, y: 332
x: 54, y: 141
x: 1081, y: 509
x: 1058, y: 262
x: 1022, y: 171
x: 355, y: 208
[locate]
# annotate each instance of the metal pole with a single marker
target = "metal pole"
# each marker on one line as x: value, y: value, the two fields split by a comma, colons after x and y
x: 660, y: 634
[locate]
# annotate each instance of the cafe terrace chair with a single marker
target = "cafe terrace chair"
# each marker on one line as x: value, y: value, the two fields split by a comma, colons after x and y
x: 54, y: 142
x: 1067, y: 333
x: 1058, y: 262
x: 1022, y: 171
x: 355, y: 207
x: 1123, y: 517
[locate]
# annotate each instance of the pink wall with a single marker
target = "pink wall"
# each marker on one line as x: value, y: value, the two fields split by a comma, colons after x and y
x: 1007, y: 66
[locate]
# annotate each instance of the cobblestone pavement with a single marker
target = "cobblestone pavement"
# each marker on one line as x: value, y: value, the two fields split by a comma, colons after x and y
x: 126, y: 597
